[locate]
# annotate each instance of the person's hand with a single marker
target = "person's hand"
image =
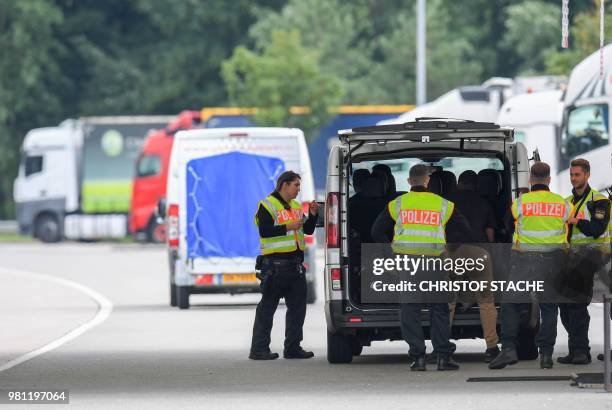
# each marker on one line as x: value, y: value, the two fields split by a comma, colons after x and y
x: 573, y: 221
x: 313, y: 208
x: 295, y: 226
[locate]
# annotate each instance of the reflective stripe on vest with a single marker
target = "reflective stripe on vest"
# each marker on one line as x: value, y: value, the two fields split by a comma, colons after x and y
x: 290, y: 242
x: 420, y: 218
x: 578, y: 238
x: 540, y: 221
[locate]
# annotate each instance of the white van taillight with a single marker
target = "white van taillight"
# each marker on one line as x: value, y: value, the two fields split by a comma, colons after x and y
x: 336, y: 278
x: 173, y: 226
x: 332, y: 220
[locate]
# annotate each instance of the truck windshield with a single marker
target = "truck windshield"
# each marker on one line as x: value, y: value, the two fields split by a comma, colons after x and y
x: 586, y: 130
x: 148, y: 165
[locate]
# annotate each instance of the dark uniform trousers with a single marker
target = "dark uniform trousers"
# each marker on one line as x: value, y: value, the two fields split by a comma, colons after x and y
x: 583, y: 264
x: 546, y: 266
x: 439, y: 316
x: 283, y: 279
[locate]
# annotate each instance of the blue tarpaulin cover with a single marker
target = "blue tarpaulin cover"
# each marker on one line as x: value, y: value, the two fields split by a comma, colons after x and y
x: 223, y: 192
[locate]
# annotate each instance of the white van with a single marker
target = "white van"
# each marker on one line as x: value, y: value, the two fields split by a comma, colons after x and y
x: 216, y: 179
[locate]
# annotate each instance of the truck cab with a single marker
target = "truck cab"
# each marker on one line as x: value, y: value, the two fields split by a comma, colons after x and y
x: 451, y: 146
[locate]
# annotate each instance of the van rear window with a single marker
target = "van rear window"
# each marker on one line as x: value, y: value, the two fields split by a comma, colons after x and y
x: 400, y: 167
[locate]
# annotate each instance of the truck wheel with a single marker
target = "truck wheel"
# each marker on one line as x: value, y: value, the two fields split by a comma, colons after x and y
x: 339, y: 348
x: 156, y: 233
x: 173, y: 295
x: 47, y: 229
x: 182, y: 295
x: 311, y: 293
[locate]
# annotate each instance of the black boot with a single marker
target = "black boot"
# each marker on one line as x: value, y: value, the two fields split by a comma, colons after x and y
x: 491, y: 353
x: 566, y: 359
x: 581, y: 358
x: 263, y: 356
x: 298, y: 354
x: 447, y: 363
x: 546, y: 361
x: 504, y: 358
x: 418, y: 365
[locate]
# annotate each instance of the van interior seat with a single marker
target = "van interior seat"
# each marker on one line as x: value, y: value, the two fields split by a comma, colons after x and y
x: 442, y: 183
x: 365, y: 208
x: 490, y: 188
x: 449, y: 183
x: 435, y: 183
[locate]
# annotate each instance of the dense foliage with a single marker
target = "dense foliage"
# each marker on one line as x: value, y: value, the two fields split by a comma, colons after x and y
x: 70, y: 58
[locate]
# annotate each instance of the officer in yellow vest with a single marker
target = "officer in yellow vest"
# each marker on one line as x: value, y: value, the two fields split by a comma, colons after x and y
x: 589, y: 249
x: 281, y: 225
x: 418, y: 223
x: 539, y: 247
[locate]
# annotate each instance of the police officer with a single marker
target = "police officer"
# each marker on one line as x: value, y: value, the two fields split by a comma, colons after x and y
x: 589, y: 238
x: 281, y: 229
x: 414, y: 238
x: 539, y: 246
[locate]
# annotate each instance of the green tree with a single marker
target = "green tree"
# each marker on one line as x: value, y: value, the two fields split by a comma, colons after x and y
x: 32, y: 82
x: 584, y: 40
x: 282, y: 75
x: 529, y: 51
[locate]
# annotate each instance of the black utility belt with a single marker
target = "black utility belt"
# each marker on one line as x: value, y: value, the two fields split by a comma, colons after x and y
x: 281, y: 262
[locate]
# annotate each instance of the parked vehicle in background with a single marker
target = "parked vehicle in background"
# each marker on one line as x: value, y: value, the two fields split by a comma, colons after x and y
x: 479, y: 102
x: 75, y: 180
x: 585, y: 131
x: 216, y: 179
x: 151, y: 176
x: 536, y: 119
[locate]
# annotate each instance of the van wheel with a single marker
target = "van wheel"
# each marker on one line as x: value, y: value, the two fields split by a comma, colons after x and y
x: 339, y: 348
x: 311, y: 293
x: 156, y: 233
x: 47, y: 229
x: 182, y: 295
x: 357, y: 347
x: 173, y: 295
x: 526, y: 348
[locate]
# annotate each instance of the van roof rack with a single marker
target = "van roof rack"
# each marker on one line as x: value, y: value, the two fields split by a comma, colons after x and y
x: 429, y: 129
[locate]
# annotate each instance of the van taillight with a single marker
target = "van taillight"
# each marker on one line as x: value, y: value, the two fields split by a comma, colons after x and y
x: 336, y: 278
x: 332, y: 220
x: 173, y: 226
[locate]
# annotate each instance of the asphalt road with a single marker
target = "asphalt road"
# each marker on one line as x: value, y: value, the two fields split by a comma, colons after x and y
x: 100, y: 314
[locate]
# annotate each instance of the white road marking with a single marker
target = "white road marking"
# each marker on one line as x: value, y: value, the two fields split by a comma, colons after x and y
x: 105, y: 307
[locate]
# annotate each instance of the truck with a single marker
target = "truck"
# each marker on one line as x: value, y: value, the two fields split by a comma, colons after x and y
x: 564, y: 125
x: 216, y: 179
x: 75, y: 180
x: 585, y: 129
x: 536, y: 119
x: 479, y: 102
x: 149, y: 185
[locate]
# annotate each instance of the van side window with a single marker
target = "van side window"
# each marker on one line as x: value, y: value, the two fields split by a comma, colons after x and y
x: 587, y: 129
x: 148, y: 165
x: 33, y: 165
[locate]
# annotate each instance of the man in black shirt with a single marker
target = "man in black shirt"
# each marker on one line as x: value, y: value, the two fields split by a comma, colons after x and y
x: 481, y: 218
x: 281, y: 230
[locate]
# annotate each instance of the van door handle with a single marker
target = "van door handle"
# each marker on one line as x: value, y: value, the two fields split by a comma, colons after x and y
x: 43, y: 192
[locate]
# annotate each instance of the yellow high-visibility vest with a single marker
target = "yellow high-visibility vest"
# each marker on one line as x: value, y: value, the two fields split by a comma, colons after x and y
x: 540, y: 221
x: 420, y: 219
x: 578, y: 238
x: 292, y: 240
